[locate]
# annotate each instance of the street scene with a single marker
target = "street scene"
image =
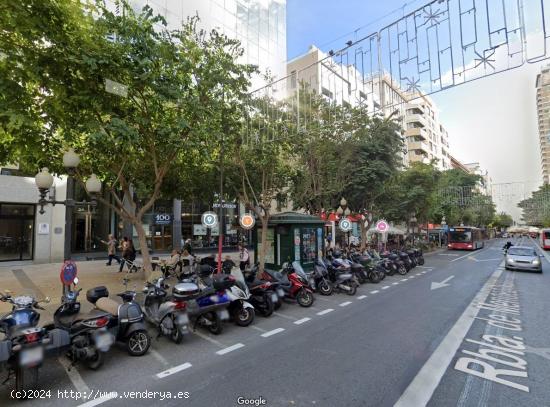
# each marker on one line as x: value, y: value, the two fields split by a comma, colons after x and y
x: 274, y: 203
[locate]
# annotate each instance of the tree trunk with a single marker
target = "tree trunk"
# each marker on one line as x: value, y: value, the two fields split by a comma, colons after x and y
x: 144, y: 248
x: 263, y: 241
x: 363, y: 235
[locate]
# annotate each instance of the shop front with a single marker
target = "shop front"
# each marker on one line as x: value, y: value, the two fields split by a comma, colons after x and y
x: 16, y: 231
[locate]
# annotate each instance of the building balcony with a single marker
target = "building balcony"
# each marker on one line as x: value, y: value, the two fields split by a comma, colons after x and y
x: 418, y: 146
x: 417, y: 132
x: 416, y: 118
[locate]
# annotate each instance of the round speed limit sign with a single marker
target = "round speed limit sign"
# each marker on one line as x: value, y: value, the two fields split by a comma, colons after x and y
x: 247, y: 221
x: 345, y: 225
x: 209, y: 219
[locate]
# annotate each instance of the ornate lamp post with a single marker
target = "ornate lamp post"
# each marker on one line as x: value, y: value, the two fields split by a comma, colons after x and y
x: 343, y: 209
x: 443, y: 224
x: 412, y: 222
x: 44, y: 181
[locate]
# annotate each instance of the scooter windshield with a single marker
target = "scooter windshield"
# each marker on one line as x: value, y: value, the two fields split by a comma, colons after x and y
x: 298, y: 269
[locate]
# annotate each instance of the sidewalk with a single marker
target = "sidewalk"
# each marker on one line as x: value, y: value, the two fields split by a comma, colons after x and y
x: 43, y: 280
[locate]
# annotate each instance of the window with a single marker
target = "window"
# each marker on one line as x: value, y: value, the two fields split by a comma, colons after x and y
x: 293, y: 80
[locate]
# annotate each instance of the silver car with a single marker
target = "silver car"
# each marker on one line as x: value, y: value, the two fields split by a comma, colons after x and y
x: 523, y: 258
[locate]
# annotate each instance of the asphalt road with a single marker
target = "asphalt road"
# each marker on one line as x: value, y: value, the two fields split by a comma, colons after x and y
x: 399, y: 341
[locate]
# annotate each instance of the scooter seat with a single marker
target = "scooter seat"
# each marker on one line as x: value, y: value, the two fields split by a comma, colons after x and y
x: 108, y: 305
x: 69, y: 320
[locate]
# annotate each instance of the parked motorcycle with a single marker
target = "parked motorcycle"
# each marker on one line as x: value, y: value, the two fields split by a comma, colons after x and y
x: 261, y: 294
x: 375, y: 271
x: 404, y: 257
x: 126, y: 320
x: 89, y: 336
x: 166, y: 312
x: 24, y: 345
x: 341, y: 278
x: 258, y: 286
x: 293, y: 280
x: 396, y: 261
x: 318, y: 278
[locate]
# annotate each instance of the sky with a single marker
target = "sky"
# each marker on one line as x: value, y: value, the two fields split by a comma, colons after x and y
x: 491, y: 121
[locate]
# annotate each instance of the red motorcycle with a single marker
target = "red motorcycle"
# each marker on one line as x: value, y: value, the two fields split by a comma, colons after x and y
x: 293, y: 280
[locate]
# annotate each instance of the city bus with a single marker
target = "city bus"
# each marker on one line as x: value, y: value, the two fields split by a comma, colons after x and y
x: 465, y: 238
x: 544, y: 235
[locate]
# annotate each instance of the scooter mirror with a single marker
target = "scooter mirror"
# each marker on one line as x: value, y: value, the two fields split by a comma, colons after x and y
x: 75, y: 281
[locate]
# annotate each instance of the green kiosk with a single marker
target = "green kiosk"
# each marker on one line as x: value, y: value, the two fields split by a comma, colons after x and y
x: 291, y: 236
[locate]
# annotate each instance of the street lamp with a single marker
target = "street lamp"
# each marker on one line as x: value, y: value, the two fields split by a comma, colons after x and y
x: 44, y: 181
x: 443, y: 224
x: 344, y: 210
x: 412, y: 222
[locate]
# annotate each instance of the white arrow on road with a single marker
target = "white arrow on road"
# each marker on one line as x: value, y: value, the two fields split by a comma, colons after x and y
x: 435, y: 285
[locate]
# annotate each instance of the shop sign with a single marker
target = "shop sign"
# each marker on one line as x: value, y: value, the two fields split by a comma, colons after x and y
x: 162, y: 218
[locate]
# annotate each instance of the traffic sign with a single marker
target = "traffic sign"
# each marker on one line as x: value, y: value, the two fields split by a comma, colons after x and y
x: 382, y: 226
x: 68, y: 272
x: 247, y: 221
x: 209, y: 219
x: 345, y: 225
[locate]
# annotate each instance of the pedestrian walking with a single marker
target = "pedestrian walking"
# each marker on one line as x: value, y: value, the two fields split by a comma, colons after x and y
x: 111, y: 243
x: 125, y: 247
x: 244, y: 257
x: 188, y: 246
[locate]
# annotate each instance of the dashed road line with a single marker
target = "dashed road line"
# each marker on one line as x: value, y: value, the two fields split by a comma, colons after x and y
x: 74, y: 376
x: 325, y: 311
x: 346, y: 303
x: 284, y: 316
x: 159, y: 357
x: 394, y: 283
x: 209, y: 339
x: 257, y: 328
x: 385, y: 287
x: 173, y: 370
x: 361, y: 297
x: 404, y: 279
x: 229, y: 349
x: 301, y: 321
x: 374, y: 292
x: 272, y: 332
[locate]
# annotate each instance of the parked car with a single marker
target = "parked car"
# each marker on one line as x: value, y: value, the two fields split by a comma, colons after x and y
x: 522, y: 258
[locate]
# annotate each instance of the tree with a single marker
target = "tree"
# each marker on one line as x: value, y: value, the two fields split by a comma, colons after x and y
x: 262, y: 163
x: 141, y: 104
x: 502, y: 220
x: 536, y: 208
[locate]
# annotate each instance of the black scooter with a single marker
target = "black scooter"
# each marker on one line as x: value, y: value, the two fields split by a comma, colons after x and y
x: 89, y: 337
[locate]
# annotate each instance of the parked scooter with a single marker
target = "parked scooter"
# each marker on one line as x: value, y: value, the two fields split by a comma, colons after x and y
x: 374, y: 270
x: 318, y: 278
x: 395, y: 261
x: 340, y: 276
x: 166, y: 312
x: 89, y: 337
x: 126, y: 320
x: 24, y: 344
x: 293, y: 280
x: 262, y: 287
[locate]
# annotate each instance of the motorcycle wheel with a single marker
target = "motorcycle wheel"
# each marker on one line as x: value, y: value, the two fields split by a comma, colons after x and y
x: 216, y: 327
x: 325, y: 288
x: 177, y: 334
x: 304, y: 298
x: 421, y: 261
x: 402, y: 270
x: 277, y: 304
x: 382, y: 275
x: 244, y: 316
x: 97, y: 361
x: 352, y: 289
x: 374, y: 277
x: 267, y: 308
x: 26, y: 378
x: 390, y: 271
x: 138, y: 343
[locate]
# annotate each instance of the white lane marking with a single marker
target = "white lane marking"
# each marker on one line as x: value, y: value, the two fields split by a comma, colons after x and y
x: 420, y: 390
x: 385, y: 287
x: 466, y: 255
x: 272, y: 332
x: 425, y: 267
x: 159, y: 357
x: 257, y: 328
x: 404, y: 279
x: 374, y: 292
x: 435, y: 285
x: 361, y: 297
x: 284, y: 316
x: 174, y: 369
x: 411, y: 277
x: 301, y: 321
x: 74, y: 376
x: 229, y: 349
x: 325, y: 311
x: 103, y: 399
x: 209, y: 339
x: 345, y: 303
x: 448, y: 254
x: 394, y: 283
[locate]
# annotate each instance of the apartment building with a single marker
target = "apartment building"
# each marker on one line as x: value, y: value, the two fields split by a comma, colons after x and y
x: 543, y: 112
x: 425, y: 137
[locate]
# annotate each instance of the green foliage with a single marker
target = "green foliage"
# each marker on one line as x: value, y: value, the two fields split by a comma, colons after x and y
x: 536, y: 208
x: 502, y: 220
